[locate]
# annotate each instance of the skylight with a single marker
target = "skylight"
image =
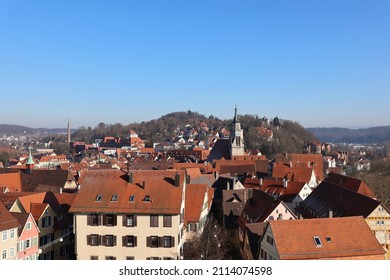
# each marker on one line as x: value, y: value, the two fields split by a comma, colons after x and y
x: 317, y: 241
x: 99, y: 197
x: 114, y: 197
x: 131, y: 198
x: 328, y: 239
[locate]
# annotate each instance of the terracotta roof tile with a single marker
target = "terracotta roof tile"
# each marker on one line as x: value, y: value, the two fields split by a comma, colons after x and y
x: 194, y: 198
x: 7, y: 221
x: 343, y: 202
x: 12, y: 181
x: 350, y: 183
x: 294, y: 239
x: 158, y: 186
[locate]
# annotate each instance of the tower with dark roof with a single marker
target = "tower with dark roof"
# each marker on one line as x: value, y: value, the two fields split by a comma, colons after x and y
x: 236, y: 137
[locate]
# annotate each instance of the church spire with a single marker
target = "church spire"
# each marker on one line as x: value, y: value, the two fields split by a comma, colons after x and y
x: 235, y: 119
x: 30, y: 161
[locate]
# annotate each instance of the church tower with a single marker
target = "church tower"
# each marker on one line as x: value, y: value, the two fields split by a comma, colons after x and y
x: 236, y: 137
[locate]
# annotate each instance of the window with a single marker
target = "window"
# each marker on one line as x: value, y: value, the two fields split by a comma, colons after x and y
x: 5, y: 235
x: 4, y: 254
x: 130, y: 221
x: 99, y: 197
x: 28, y: 243
x: 167, y: 258
x: 131, y: 198
x: 168, y: 241
x: 153, y: 220
x: 64, y: 250
x: 167, y: 221
x: 12, y: 252
x: 94, y: 258
x: 35, y: 241
x: 152, y: 258
x: 109, y: 220
x: 12, y: 234
x: 270, y: 240
x: 130, y: 258
x: 46, y: 221
x: 109, y: 240
x: 43, y: 240
x: 93, y: 240
x: 114, y: 197
x: 60, y: 217
x: 147, y: 198
x: 317, y: 241
x: 328, y: 239
x: 152, y: 241
x: 93, y: 220
x: 33, y: 257
x: 129, y: 241
x: 110, y: 258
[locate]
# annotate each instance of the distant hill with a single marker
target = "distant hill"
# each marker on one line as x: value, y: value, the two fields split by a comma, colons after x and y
x: 19, y: 129
x: 345, y: 135
x: 289, y: 136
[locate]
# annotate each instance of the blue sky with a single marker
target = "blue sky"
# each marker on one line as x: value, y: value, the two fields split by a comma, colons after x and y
x: 320, y: 63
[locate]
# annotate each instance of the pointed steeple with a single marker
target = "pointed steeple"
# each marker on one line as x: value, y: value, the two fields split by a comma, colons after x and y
x: 236, y: 137
x: 235, y: 119
x: 30, y: 162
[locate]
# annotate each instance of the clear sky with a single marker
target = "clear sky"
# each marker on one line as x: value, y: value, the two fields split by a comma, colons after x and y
x: 321, y: 63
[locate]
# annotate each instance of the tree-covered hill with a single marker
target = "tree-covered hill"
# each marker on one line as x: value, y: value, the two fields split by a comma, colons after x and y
x: 288, y: 136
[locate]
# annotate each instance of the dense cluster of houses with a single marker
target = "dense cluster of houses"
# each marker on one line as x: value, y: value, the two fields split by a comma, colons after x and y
x: 130, y: 202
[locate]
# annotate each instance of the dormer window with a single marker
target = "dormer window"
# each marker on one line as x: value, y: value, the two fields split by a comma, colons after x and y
x: 99, y: 197
x: 328, y: 239
x: 131, y: 198
x: 317, y: 241
x: 147, y: 198
x: 114, y: 197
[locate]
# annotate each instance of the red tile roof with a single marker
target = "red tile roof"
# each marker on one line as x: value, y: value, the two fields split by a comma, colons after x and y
x: 159, y: 186
x: 276, y: 188
x: 312, y: 160
x: 12, y: 181
x: 194, y: 197
x: 294, y: 239
x: 350, y: 183
x: 7, y: 221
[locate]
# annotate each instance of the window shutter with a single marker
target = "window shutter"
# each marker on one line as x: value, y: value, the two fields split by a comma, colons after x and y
x: 135, y: 241
x: 100, y: 217
x: 89, y: 220
x: 148, y: 241
x: 135, y: 220
x: 114, y: 240
x: 104, y: 220
x: 114, y: 220
x: 160, y: 241
x: 88, y: 240
x: 103, y: 240
x: 124, y: 220
x: 172, y: 241
x: 124, y: 241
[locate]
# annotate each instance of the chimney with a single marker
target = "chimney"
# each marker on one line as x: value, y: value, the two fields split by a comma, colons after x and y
x: 330, y: 213
x: 68, y: 133
x: 285, y: 183
x: 143, y: 184
x: 131, y: 177
x: 177, y: 180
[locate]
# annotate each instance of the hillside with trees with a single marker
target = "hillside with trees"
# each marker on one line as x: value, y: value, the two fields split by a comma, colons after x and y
x: 344, y: 135
x: 288, y: 136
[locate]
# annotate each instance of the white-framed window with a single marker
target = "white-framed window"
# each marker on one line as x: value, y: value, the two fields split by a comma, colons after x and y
x: 28, y: 226
x: 4, y: 254
x: 12, y: 252
x: 5, y: 235
x: 34, y: 257
x: 46, y: 221
x: 12, y: 233
x: 35, y: 241
x: 21, y: 246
